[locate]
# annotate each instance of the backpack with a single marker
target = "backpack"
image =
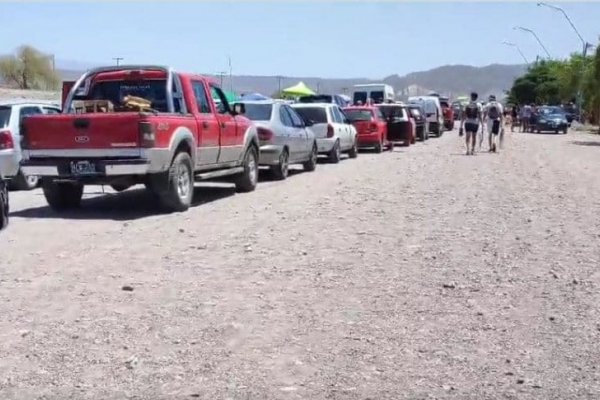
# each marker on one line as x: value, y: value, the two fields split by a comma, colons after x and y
x: 493, y: 112
x: 472, y: 111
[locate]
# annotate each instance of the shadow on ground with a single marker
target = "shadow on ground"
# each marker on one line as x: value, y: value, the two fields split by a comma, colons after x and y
x: 134, y: 203
x: 585, y: 143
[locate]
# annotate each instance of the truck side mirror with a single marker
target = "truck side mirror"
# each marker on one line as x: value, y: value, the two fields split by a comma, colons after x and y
x: 239, y: 109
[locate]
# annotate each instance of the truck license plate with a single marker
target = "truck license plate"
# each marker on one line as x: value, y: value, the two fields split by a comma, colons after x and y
x: 82, y: 168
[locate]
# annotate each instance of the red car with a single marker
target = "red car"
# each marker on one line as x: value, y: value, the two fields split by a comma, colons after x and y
x: 401, y: 125
x: 370, y: 125
x: 448, y: 113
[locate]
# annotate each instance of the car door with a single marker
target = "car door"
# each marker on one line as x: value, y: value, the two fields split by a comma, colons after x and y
x: 299, y: 136
x: 288, y: 131
x: 341, y: 128
x: 207, y: 142
x: 231, y: 147
x: 351, y: 129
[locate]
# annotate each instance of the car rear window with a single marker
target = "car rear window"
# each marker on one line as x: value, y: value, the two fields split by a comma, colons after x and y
x: 316, y: 114
x: 415, y: 112
x: 258, y: 112
x: 316, y: 99
x: 359, y: 115
x: 392, y: 112
x: 4, y: 116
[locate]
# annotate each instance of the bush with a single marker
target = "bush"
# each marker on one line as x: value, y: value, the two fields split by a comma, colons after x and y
x: 29, y: 69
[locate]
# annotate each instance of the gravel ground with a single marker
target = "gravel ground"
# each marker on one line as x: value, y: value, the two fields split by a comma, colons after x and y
x: 418, y: 274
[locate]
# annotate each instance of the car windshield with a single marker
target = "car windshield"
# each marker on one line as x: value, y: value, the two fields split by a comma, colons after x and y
x: 359, y: 115
x: 154, y: 90
x: 315, y: 114
x: 444, y: 104
x: 258, y: 112
x: 4, y: 116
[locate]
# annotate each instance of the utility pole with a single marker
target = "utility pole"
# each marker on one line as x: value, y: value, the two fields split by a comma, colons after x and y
x: 221, y: 73
x: 536, y: 38
x: 586, y: 46
x: 118, y: 59
x: 230, y: 74
x: 279, y: 78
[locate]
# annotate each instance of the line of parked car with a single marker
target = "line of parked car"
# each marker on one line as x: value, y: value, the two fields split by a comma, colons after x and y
x: 128, y: 125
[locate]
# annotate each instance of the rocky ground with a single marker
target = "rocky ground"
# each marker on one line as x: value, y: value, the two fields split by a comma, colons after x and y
x: 417, y: 274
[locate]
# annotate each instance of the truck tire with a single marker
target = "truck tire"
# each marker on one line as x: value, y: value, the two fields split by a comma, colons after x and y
x: 311, y: 164
x: 24, y: 182
x: 180, y: 185
x: 247, y: 181
x: 62, y: 195
x: 281, y: 170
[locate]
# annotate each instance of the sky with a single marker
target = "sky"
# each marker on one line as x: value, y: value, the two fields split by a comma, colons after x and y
x: 305, y: 39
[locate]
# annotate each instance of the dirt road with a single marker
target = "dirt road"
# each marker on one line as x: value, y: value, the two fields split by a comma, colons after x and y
x: 421, y: 274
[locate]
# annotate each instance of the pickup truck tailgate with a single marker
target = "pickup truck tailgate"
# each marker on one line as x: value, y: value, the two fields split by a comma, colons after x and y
x: 82, y: 131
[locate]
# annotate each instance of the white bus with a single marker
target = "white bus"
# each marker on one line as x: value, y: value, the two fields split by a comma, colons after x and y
x: 377, y: 92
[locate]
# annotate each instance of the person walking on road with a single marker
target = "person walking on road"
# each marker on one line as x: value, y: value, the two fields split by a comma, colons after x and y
x: 494, y: 118
x: 514, y: 115
x: 470, y: 123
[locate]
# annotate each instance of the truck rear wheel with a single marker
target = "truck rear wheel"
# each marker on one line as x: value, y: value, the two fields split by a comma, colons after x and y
x: 62, y: 195
x: 247, y: 181
x: 180, y: 186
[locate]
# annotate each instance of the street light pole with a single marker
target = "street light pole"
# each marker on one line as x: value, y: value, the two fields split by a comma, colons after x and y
x: 585, y: 44
x: 536, y: 38
x: 518, y: 49
x: 117, y: 59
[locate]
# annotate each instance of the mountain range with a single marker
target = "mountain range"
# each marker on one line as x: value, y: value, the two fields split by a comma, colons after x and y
x: 451, y: 80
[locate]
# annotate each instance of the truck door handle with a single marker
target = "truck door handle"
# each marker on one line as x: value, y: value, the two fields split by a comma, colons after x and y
x: 205, y: 124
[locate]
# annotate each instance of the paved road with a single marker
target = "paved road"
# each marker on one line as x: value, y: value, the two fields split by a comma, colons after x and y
x: 418, y: 274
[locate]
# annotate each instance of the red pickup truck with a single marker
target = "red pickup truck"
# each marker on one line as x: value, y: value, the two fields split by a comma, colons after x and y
x: 177, y: 134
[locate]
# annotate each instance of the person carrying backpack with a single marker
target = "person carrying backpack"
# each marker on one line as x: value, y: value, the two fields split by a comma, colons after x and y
x: 494, y: 116
x: 470, y: 122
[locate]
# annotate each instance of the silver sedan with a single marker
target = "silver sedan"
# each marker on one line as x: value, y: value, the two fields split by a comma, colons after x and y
x: 284, y: 137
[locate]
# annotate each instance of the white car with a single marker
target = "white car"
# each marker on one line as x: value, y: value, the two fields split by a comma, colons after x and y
x: 433, y: 112
x: 334, y: 132
x: 284, y: 137
x: 11, y: 115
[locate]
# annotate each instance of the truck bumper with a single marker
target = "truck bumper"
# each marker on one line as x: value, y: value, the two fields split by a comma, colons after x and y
x: 62, y: 168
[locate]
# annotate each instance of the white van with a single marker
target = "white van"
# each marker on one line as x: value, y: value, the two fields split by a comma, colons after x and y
x: 433, y: 111
x: 378, y: 92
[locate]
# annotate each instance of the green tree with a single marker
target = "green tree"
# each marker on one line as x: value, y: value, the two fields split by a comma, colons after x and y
x: 28, y: 68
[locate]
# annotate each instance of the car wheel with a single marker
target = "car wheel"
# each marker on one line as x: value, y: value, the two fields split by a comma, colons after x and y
x: 180, y: 184
x: 311, y: 164
x: 247, y: 181
x: 281, y: 170
x: 24, y: 182
x: 62, y: 195
x: 353, y: 153
x: 379, y: 147
x: 565, y: 131
x: 335, y: 153
x: 119, y: 187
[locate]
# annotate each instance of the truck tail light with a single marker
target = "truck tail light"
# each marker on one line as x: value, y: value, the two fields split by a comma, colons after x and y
x: 6, y: 140
x: 264, y: 134
x: 373, y: 127
x: 329, y: 130
x: 147, y: 134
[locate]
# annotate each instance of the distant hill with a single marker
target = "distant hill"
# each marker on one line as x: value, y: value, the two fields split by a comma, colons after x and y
x: 452, y: 80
